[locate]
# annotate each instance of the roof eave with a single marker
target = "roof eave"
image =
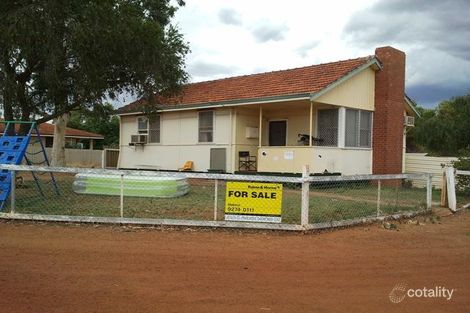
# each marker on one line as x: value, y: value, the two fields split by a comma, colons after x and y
x: 227, y: 103
x: 410, y: 104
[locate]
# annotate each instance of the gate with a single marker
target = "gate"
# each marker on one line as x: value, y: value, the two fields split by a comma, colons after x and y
x: 110, y: 158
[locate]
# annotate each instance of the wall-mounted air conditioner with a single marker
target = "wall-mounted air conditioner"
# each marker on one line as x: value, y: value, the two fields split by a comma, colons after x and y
x: 409, y: 121
x: 138, y: 139
x: 252, y: 132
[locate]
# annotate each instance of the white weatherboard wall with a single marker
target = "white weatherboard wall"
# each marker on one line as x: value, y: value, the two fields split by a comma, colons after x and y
x: 357, y: 92
x: 420, y: 163
x: 178, y: 142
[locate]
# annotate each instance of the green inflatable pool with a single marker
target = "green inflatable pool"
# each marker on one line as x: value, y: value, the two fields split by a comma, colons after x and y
x: 133, y: 186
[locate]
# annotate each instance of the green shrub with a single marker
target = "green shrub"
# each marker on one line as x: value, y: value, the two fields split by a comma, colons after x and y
x: 463, y: 164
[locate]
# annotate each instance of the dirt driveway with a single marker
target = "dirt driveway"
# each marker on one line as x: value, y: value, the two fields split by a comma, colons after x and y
x: 84, y: 268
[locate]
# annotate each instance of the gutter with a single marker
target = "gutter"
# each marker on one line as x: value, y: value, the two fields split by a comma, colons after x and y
x: 228, y: 103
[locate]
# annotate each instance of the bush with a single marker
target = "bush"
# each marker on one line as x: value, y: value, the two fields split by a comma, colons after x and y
x: 463, y: 164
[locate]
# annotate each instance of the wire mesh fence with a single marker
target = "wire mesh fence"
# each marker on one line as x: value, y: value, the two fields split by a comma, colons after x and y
x: 223, y: 200
x: 339, y: 200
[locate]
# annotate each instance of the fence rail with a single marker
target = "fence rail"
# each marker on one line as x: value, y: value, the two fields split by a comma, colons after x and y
x: 202, y: 199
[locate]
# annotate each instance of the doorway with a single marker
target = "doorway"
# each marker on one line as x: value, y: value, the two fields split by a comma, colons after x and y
x: 278, y: 133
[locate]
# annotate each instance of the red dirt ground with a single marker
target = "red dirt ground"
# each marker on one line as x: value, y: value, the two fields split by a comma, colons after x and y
x: 85, y: 268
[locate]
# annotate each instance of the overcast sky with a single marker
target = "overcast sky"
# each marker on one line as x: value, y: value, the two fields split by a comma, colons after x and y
x: 239, y: 37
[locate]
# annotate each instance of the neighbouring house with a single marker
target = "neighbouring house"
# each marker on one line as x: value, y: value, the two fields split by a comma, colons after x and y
x: 74, y: 138
x: 81, y: 146
x: 348, y: 116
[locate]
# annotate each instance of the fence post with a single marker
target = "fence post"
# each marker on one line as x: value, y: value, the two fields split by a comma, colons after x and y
x: 13, y: 192
x: 122, y: 196
x: 379, y: 190
x: 429, y: 192
x: 450, y: 176
x: 103, y: 158
x: 216, y: 190
x: 305, y: 196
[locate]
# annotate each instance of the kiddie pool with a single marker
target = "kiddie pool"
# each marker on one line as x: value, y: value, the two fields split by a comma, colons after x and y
x: 133, y: 186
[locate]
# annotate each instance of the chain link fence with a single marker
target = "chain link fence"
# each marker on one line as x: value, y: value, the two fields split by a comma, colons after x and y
x: 344, y: 200
x: 206, y: 199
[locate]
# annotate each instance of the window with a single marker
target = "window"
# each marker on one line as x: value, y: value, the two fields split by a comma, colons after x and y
x: 358, y: 128
x: 206, y: 126
x: 154, y: 129
x: 149, y: 126
x: 351, y: 128
x: 328, y: 128
x: 142, y: 125
x: 365, y: 129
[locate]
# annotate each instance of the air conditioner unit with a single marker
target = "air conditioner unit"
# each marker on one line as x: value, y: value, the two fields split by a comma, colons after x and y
x: 252, y: 132
x: 409, y: 121
x: 138, y: 139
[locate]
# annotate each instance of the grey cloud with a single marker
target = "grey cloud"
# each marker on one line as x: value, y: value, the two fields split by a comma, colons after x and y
x: 428, y: 95
x: 266, y: 32
x: 438, y: 24
x: 229, y: 17
x: 205, y: 69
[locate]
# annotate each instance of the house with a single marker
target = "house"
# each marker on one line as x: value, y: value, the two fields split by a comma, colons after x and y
x: 346, y: 116
x: 74, y: 138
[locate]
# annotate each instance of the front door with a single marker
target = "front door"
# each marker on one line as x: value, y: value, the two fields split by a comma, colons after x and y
x: 277, y: 133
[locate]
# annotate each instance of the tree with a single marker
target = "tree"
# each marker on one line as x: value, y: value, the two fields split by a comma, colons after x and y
x: 99, y: 119
x: 58, y: 146
x: 445, y: 130
x: 413, y: 144
x: 60, y: 55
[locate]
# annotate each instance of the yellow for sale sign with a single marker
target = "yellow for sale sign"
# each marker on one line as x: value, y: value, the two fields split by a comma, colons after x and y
x: 253, y: 202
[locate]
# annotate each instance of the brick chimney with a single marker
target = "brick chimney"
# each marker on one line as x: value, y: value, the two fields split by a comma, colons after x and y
x: 387, y: 141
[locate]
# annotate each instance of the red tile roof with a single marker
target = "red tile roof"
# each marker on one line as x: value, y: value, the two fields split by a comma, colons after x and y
x: 46, y: 129
x: 309, y: 79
